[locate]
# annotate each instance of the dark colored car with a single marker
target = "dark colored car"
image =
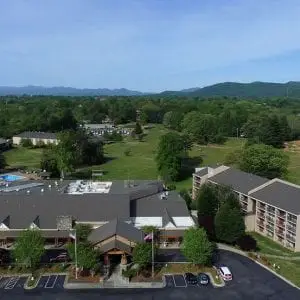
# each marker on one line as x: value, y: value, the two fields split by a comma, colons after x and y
x: 4, y: 257
x: 203, y: 278
x: 190, y: 278
x: 63, y: 257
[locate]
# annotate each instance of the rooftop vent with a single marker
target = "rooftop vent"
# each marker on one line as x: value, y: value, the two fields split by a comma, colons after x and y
x: 28, y: 191
x: 42, y: 190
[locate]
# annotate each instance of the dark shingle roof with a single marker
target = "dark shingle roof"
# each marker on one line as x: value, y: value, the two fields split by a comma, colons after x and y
x: 37, y: 135
x: 166, y: 218
x: 281, y: 195
x: 115, y: 244
x: 116, y: 227
x: 238, y: 180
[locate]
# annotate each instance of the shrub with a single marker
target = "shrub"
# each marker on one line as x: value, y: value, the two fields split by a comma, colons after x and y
x: 129, y: 273
x: 247, y: 243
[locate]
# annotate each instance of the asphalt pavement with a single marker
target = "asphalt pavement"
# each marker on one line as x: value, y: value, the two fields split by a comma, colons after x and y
x: 250, y: 282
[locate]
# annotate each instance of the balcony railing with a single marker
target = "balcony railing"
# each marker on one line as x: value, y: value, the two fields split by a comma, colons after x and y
x: 291, y: 228
x: 261, y: 215
x: 262, y: 206
x: 280, y: 233
x: 270, y: 219
x: 280, y: 223
x: 281, y: 214
x: 270, y: 228
x: 292, y: 219
x: 260, y: 222
x: 290, y: 238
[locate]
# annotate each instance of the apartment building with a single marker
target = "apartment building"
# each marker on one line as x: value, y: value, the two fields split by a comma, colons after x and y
x: 271, y: 207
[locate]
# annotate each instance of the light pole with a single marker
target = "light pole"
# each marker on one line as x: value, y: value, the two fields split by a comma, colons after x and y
x: 74, y: 237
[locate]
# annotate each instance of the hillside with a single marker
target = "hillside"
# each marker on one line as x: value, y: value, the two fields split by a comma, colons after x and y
x: 65, y: 91
x: 249, y: 90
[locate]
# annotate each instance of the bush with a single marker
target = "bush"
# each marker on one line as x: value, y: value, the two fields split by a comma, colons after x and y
x: 247, y: 243
x: 129, y: 273
x: 171, y: 187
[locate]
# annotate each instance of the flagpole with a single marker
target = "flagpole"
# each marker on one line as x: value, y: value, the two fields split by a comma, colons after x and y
x: 152, y: 254
x: 76, y: 275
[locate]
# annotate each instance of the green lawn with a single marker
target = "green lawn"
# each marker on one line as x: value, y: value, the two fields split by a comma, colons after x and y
x: 267, y: 246
x: 290, y: 269
x: 23, y: 157
x: 140, y: 164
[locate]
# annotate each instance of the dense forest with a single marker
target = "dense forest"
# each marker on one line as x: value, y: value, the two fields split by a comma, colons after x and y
x: 206, y: 120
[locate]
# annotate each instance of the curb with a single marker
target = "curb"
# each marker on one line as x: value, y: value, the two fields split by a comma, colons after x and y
x: 26, y: 287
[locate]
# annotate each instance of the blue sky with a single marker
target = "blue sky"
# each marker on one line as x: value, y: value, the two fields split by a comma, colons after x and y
x: 148, y: 45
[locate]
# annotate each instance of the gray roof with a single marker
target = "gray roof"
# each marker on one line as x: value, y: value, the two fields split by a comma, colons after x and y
x: 202, y: 172
x: 116, y: 227
x: 37, y: 135
x: 154, y: 206
x: 166, y: 218
x: 44, y: 233
x: 281, y: 195
x: 238, y: 180
x: 3, y: 141
x: 116, y: 244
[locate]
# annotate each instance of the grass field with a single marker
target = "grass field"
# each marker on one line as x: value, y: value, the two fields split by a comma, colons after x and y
x: 140, y: 163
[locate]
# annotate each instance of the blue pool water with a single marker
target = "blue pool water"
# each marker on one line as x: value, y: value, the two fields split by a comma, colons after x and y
x: 10, y: 177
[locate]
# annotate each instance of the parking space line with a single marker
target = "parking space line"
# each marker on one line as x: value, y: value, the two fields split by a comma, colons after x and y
x: 46, y: 281
x: 174, y: 280
x: 11, y: 283
x: 180, y: 286
x: 51, y: 286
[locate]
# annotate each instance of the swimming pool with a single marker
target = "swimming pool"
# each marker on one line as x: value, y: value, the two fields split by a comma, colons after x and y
x: 10, y: 177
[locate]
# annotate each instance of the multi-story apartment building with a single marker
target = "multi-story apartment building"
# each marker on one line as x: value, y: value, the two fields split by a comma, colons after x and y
x: 271, y: 207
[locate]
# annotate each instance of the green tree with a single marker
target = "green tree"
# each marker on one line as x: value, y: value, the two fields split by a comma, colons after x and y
x: 142, y: 254
x: 86, y: 255
x: 264, y: 161
x: 173, y: 119
x: 138, y: 129
x: 49, y: 162
x: 229, y: 223
x: 207, y: 201
x: 26, y: 143
x: 2, y: 161
x: 196, y: 247
x: 83, y: 231
x: 184, y: 193
x: 29, y: 248
x: 170, y: 154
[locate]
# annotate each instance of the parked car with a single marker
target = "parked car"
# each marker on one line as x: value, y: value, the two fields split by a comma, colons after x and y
x: 63, y: 257
x: 203, y: 278
x: 225, y: 273
x: 4, y: 257
x: 190, y: 278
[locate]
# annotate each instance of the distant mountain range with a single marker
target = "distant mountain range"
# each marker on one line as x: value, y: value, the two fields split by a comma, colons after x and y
x: 229, y: 89
x: 64, y: 91
x: 246, y: 90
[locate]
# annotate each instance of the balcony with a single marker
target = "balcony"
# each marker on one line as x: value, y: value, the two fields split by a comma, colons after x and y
x: 291, y: 228
x: 292, y: 219
x: 270, y: 228
x: 280, y: 223
x: 280, y: 233
x: 261, y: 206
x: 290, y: 238
x: 260, y: 223
x: 270, y: 219
x: 281, y: 214
x: 260, y: 215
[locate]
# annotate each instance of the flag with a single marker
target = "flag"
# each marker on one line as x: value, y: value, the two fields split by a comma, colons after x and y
x: 72, y: 235
x: 148, y: 237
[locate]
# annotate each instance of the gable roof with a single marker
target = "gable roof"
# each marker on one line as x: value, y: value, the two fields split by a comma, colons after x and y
x: 116, y: 227
x: 238, y: 180
x: 166, y: 218
x: 281, y: 194
x: 37, y: 135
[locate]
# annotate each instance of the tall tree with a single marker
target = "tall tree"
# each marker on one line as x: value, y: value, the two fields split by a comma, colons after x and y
x: 196, y: 247
x: 170, y: 153
x: 229, y: 223
x: 29, y: 248
x: 207, y: 205
x: 264, y: 160
x: 173, y: 119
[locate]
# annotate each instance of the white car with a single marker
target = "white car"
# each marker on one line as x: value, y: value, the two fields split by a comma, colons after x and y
x: 225, y: 273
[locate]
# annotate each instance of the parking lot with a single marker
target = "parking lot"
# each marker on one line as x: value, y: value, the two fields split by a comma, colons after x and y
x: 10, y: 283
x: 51, y: 282
x: 178, y: 281
x: 45, y: 282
